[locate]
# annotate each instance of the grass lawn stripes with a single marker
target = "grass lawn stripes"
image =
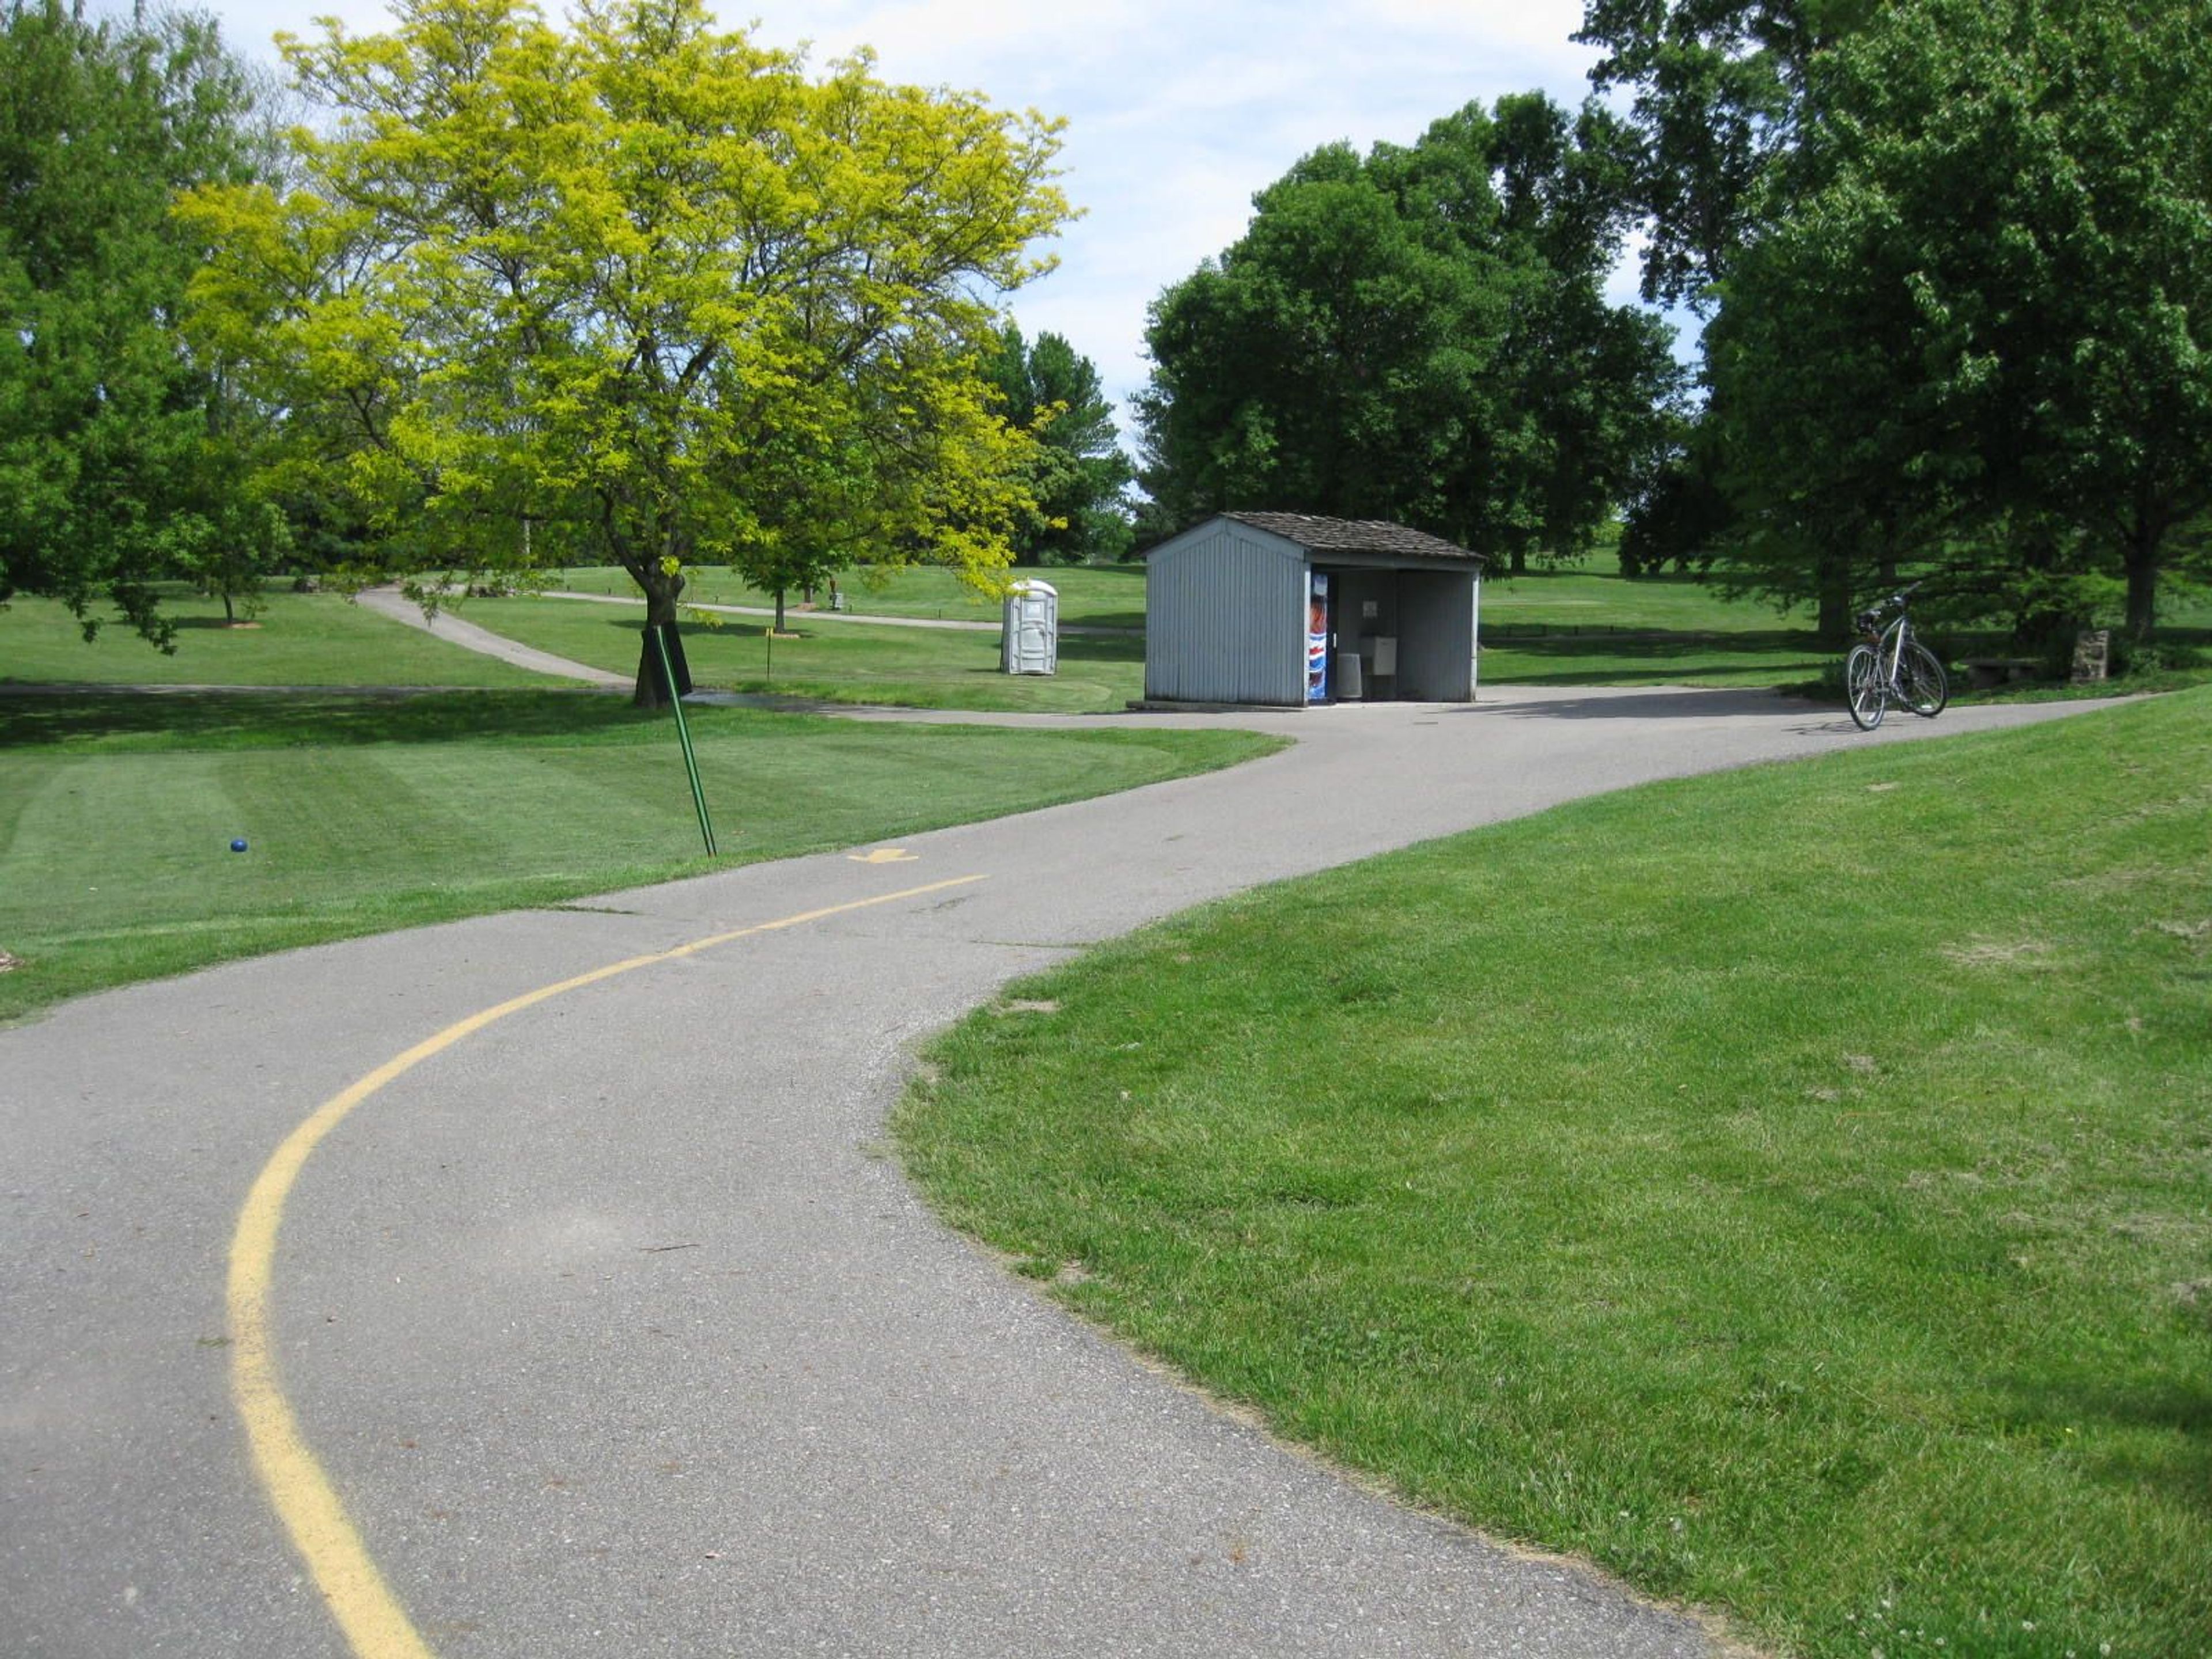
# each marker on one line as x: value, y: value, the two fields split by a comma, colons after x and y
x: 1792, y: 1189
x: 117, y: 812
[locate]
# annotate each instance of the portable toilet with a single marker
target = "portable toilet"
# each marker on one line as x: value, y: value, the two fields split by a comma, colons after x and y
x: 1029, y: 642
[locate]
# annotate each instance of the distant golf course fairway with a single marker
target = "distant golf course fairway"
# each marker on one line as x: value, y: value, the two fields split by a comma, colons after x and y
x: 1791, y: 1188
x: 1601, y: 629
x: 1109, y: 596
x: 837, y: 661
x: 1545, y: 627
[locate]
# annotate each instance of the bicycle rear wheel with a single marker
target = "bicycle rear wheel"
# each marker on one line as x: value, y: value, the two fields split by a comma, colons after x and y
x: 1865, y: 686
x: 1926, y: 690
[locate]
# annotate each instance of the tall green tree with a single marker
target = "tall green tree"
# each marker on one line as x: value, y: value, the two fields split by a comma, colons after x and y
x: 1581, y: 388
x: 1325, y: 363
x: 119, y: 457
x: 1718, y: 86
x: 1079, y: 472
x: 1981, y: 309
x: 1815, y: 419
x: 642, y: 290
x: 1420, y: 334
x: 1678, y: 513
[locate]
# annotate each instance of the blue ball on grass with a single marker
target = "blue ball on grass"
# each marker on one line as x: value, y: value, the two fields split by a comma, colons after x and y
x: 238, y: 846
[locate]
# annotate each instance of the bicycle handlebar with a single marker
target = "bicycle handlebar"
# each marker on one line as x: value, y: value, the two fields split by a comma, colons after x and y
x: 1895, y: 600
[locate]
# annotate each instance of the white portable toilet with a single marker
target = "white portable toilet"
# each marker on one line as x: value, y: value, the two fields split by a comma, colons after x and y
x: 1029, y: 642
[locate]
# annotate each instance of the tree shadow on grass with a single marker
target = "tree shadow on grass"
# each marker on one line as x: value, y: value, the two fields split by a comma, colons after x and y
x: 1686, y: 658
x: 1102, y: 648
x: 1593, y: 673
x: 1657, y: 702
x: 2176, y: 1461
x: 283, y: 719
x: 1669, y: 642
x: 950, y: 654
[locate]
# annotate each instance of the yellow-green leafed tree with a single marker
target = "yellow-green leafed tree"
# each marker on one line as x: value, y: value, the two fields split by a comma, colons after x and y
x: 637, y: 288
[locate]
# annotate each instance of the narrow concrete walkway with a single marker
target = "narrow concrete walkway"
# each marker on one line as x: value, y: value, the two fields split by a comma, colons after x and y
x: 456, y: 630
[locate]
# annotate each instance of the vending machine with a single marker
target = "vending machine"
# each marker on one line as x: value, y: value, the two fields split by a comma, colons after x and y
x: 1317, y: 632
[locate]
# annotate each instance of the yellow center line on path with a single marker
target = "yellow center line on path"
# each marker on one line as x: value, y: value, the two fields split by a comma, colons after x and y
x: 375, y: 1625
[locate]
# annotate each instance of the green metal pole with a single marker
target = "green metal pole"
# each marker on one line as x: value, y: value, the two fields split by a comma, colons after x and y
x: 684, y: 736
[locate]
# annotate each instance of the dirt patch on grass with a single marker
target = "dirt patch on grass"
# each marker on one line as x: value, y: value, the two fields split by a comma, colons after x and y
x: 2000, y: 953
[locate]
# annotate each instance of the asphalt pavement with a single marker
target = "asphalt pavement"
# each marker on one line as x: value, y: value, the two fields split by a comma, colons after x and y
x: 616, y: 1329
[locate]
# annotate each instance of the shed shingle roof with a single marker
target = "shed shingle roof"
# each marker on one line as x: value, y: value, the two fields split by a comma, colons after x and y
x: 1356, y: 536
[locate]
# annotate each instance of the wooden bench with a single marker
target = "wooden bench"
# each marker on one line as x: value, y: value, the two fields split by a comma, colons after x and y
x: 1982, y: 672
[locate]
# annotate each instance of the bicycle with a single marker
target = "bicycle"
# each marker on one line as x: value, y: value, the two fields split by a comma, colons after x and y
x: 1890, y: 665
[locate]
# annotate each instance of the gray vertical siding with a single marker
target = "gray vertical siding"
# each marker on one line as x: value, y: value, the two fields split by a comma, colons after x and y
x: 1225, y: 618
x: 1436, y: 636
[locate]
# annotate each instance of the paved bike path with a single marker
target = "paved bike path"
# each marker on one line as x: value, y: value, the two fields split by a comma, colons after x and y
x: 455, y: 630
x: 615, y: 1326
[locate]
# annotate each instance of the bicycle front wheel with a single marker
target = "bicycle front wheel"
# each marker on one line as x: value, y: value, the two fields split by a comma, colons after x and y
x: 1926, y: 690
x: 1865, y: 686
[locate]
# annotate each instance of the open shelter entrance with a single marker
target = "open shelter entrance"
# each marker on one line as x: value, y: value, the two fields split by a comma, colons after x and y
x: 1282, y: 609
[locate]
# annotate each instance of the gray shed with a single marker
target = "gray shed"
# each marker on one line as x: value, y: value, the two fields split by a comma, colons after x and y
x: 1283, y: 609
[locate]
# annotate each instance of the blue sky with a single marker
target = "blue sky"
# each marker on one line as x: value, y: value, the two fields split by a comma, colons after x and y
x: 1177, y: 109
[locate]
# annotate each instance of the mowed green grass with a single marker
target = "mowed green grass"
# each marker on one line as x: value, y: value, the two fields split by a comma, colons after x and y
x: 300, y: 639
x: 1565, y: 627
x: 1097, y: 596
x: 1592, y: 627
x: 1598, y: 630
x: 1683, y: 633
x: 1748, y: 656
x: 838, y: 661
x: 1573, y: 598
x: 363, y: 814
x: 1792, y: 1189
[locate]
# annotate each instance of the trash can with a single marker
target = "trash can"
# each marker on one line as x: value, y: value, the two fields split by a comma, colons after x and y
x: 1029, y: 642
x: 1348, y: 687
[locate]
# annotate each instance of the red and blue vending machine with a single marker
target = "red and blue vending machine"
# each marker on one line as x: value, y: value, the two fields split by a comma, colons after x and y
x: 1317, y: 638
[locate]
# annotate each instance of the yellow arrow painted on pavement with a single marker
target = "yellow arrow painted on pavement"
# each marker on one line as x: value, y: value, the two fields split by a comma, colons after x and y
x: 883, y: 855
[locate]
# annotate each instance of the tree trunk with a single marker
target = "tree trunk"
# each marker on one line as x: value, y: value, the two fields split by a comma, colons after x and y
x: 2140, y: 559
x: 1833, y: 586
x: 779, y: 609
x: 653, y: 690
